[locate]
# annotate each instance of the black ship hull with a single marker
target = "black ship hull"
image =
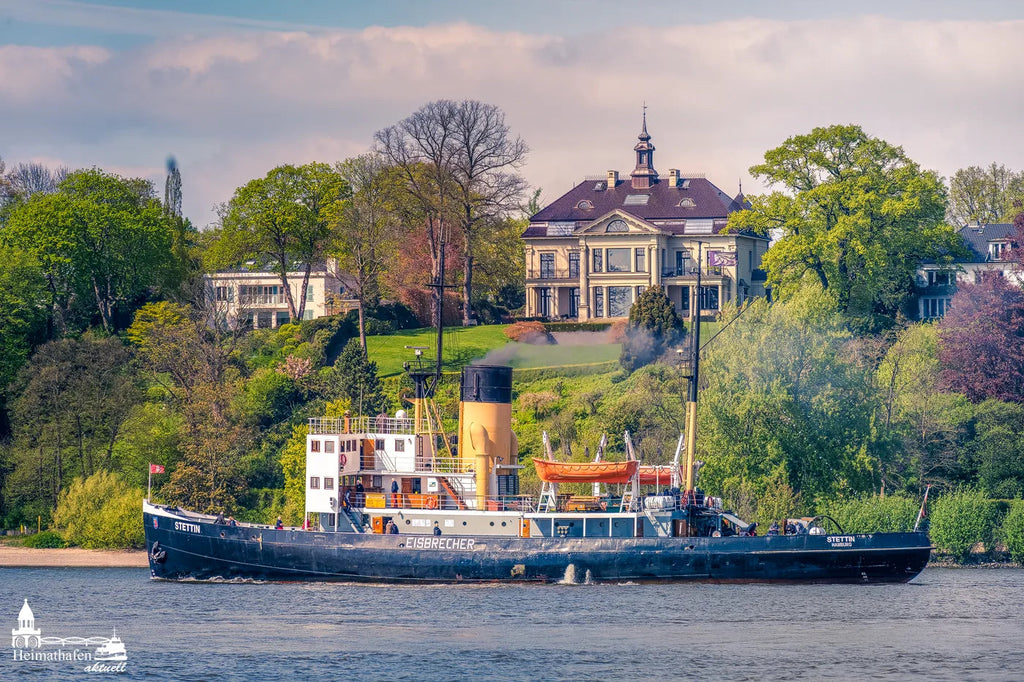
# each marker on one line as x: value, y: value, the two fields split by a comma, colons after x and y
x: 182, y: 548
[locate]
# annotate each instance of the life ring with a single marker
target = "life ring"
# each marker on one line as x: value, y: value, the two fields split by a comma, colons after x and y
x: 343, y: 459
x: 157, y: 554
x: 431, y: 503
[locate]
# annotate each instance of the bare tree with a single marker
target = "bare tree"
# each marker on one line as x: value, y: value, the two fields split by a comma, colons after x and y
x: 458, y: 161
x: 366, y: 228
x: 484, y: 173
x: 27, y: 179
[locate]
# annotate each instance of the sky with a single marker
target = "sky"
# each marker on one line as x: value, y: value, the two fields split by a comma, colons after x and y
x: 232, y: 88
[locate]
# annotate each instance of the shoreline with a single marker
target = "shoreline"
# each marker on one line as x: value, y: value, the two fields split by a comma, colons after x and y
x: 71, y: 557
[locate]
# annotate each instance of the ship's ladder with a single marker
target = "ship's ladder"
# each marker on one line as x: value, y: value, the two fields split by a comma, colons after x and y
x: 548, y: 497
x: 356, y: 522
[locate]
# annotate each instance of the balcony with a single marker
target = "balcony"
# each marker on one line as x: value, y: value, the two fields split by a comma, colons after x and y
x: 691, y: 273
x: 553, y: 275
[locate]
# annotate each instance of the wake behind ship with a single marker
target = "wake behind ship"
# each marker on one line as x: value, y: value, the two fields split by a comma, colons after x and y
x: 395, y: 499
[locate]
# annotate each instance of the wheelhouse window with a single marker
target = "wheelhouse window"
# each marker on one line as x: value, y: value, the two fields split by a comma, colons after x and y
x: 314, y: 483
x: 314, y: 445
x: 328, y: 446
x: 618, y: 261
x: 399, y: 445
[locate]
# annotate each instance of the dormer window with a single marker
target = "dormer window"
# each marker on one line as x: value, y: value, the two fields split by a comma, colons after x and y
x: 585, y: 205
x: 997, y: 250
x: 688, y: 203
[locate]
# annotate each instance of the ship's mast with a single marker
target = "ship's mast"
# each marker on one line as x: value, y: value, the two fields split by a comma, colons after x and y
x: 691, y: 404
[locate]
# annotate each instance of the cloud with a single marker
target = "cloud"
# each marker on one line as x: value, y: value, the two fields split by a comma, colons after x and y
x: 231, y: 106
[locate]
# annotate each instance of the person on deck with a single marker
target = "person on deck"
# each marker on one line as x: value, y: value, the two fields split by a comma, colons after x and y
x: 359, y: 493
x: 437, y: 528
x: 774, y: 528
x: 348, y: 498
x: 231, y: 521
x: 394, y: 493
x: 279, y: 524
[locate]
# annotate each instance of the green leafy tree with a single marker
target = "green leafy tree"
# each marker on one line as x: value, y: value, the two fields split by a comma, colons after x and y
x: 22, y: 317
x: 99, y: 237
x: 653, y: 325
x: 355, y: 379
x: 874, y: 514
x: 73, y: 399
x: 293, y: 464
x: 101, y: 512
x: 854, y: 213
x: 787, y: 390
x: 985, y: 195
x: 284, y: 219
x: 960, y: 520
x: 1012, y: 531
x: 998, y: 448
x: 924, y: 425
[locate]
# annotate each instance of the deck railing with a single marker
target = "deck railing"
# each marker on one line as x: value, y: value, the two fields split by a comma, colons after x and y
x: 381, y: 424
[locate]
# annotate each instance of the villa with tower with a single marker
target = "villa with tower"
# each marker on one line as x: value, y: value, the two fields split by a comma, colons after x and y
x: 593, y: 250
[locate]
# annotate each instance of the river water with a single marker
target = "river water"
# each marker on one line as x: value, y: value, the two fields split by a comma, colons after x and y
x: 947, y: 624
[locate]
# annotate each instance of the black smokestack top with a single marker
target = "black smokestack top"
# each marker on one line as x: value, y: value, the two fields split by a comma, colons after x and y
x: 172, y: 163
x: 487, y: 384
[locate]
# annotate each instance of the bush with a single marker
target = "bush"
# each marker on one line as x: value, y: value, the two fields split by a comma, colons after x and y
x: 892, y: 514
x: 961, y: 520
x: 47, y: 539
x: 101, y: 512
x: 528, y: 332
x: 578, y: 326
x: 1012, y: 532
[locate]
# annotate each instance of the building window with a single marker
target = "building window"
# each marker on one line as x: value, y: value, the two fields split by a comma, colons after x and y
x: 932, y: 308
x: 258, y: 295
x: 640, y: 256
x: 682, y: 263
x: 307, y: 314
x: 996, y: 250
x: 618, y: 261
x: 709, y: 298
x: 574, y: 263
x: 399, y: 445
x: 585, y: 205
x: 378, y: 444
x: 314, y: 483
x: 619, y: 300
x: 225, y: 293
x: 640, y: 291
x: 328, y: 483
x: 937, y: 278
x: 547, y: 266
x: 574, y: 302
x: 598, y: 260
x: 617, y: 225
x: 598, y: 301
x: 544, y: 301
x: 687, y: 203
x: 282, y: 318
x: 264, y: 319
x: 314, y: 446
x: 328, y: 446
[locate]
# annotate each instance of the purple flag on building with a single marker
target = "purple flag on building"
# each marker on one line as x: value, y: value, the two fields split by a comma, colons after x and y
x: 721, y: 259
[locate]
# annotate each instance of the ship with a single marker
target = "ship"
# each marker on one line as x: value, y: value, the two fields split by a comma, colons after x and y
x: 398, y: 499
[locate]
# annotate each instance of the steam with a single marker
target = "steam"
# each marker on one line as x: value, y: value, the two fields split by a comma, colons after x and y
x: 508, y: 353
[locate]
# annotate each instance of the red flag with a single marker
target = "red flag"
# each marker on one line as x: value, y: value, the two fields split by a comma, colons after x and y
x: 156, y: 468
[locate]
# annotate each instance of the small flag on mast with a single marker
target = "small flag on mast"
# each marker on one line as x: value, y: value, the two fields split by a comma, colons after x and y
x: 156, y: 468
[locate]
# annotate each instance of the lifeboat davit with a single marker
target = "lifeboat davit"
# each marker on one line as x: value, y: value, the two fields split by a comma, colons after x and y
x: 585, y: 472
x: 656, y: 475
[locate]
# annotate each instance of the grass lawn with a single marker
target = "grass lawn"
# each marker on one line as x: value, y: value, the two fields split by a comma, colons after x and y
x: 464, y: 344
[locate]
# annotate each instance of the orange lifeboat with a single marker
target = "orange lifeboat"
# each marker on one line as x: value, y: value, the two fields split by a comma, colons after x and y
x: 585, y: 472
x: 656, y: 475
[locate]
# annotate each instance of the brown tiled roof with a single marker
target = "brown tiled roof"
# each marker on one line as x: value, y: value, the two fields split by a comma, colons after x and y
x: 663, y: 203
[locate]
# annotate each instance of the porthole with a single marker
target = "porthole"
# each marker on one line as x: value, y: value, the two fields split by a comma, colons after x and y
x: 463, y: 523
x: 492, y: 523
x: 503, y: 523
x: 408, y: 522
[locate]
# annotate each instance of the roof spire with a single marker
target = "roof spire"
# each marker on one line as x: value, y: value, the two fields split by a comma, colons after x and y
x: 644, y: 174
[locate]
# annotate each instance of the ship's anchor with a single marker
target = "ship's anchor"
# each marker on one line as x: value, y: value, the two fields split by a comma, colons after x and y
x: 157, y: 553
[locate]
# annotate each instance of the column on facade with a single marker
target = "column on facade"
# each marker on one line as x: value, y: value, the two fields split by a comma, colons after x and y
x: 654, y: 264
x: 585, y: 312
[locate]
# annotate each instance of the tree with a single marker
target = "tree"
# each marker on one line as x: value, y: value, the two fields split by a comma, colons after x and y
x: 195, y: 359
x: 101, y: 512
x: 73, y: 398
x: 458, y: 163
x: 366, y: 229
x: 22, y: 317
x: 985, y: 195
x: 285, y: 219
x: 998, y: 448
x: 981, y: 341
x: 653, y: 324
x: 787, y: 391
x: 854, y: 213
x: 925, y: 425
x: 355, y: 379
x: 98, y: 237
